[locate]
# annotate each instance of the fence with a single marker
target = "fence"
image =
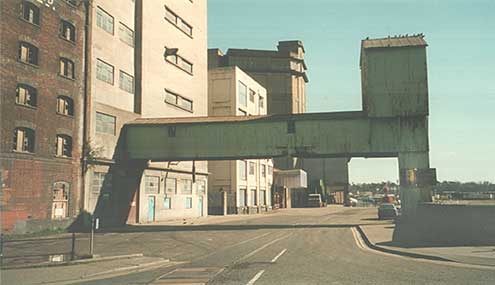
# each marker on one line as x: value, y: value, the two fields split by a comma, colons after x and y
x: 26, y: 251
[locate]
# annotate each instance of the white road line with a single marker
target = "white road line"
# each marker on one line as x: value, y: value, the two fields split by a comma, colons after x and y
x: 279, y: 255
x: 256, y: 277
x: 263, y: 247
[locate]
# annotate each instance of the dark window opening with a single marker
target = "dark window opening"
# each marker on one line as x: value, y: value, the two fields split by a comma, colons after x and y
x: 26, y: 95
x: 24, y: 140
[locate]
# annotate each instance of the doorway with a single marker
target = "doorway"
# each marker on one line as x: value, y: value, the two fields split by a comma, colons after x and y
x: 151, y: 208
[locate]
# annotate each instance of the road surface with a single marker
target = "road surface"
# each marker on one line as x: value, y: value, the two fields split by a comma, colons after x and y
x: 297, y: 246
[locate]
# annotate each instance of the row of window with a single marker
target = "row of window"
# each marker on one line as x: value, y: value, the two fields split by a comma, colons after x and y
x: 24, y: 140
x: 172, y: 186
x: 254, y: 201
x: 177, y: 21
x: 28, y: 54
x: 167, y: 203
x: 106, y: 22
x: 32, y: 14
x: 243, y: 169
x: 28, y: 96
x: 243, y: 96
x: 105, y: 73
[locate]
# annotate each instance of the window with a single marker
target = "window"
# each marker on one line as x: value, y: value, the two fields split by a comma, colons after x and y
x: 242, y: 94
x: 126, y: 35
x: 26, y: 95
x: 242, y: 170
x: 185, y: 103
x: 64, y: 146
x: 126, y: 82
x: 270, y: 170
x: 188, y: 203
x: 252, y: 94
x: 28, y: 53
x: 242, y: 198
x: 105, y: 123
x: 24, y: 140
x: 252, y: 168
x: 102, y: 182
x: 67, y: 68
x: 178, y: 22
x: 31, y: 13
x: 67, y: 31
x: 65, y: 106
x: 179, y: 62
x: 60, y: 200
x: 171, y: 186
x: 201, y: 187
x: 262, y: 102
x: 263, y: 170
x: 262, y: 197
x: 151, y: 184
x: 179, y: 101
x: 186, y: 186
x: 167, y: 203
x: 254, y: 199
x: 104, y: 20
x: 104, y: 71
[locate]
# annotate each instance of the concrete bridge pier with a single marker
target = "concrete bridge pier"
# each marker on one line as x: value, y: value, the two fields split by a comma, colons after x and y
x: 416, y: 181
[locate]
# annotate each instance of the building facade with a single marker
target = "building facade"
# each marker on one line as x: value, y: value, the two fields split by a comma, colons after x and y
x: 41, y: 103
x: 238, y: 186
x: 284, y: 74
x: 148, y: 60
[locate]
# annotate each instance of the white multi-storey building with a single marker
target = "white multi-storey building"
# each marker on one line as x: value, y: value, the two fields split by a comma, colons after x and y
x: 148, y: 59
x: 239, y: 186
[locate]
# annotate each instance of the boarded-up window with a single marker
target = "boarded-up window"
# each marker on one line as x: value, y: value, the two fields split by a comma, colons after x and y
x: 186, y: 188
x: 105, y: 123
x: 151, y: 184
x: 60, y: 202
x: 171, y: 186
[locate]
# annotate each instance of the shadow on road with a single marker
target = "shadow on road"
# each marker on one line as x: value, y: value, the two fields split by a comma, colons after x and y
x: 162, y: 228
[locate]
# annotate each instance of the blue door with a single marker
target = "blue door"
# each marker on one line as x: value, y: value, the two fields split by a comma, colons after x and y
x: 200, y: 206
x: 151, y: 208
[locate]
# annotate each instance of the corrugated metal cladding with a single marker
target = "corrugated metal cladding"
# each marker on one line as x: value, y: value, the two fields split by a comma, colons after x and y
x: 394, y: 42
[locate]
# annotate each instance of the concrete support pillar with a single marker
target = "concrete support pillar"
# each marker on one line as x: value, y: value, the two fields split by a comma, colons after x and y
x: 416, y: 180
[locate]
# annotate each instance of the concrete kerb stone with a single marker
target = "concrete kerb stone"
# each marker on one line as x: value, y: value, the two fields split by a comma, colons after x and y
x: 398, y: 252
x: 93, y: 259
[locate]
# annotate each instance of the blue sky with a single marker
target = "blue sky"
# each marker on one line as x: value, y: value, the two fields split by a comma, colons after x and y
x: 461, y: 66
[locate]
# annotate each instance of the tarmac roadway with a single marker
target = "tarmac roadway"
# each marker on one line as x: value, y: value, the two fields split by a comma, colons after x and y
x: 295, y: 246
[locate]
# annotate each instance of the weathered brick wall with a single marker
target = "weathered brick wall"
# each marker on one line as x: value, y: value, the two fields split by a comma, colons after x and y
x: 28, y: 178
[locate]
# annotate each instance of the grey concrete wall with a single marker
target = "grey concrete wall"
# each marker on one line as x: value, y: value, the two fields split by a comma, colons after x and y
x: 441, y: 225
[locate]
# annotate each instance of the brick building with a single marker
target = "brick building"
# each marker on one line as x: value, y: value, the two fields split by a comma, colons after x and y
x: 41, y: 103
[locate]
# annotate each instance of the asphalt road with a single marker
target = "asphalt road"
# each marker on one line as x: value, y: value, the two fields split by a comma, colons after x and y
x: 298, y: 246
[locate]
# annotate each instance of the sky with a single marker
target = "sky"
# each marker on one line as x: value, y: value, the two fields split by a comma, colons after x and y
x: 460, y: 55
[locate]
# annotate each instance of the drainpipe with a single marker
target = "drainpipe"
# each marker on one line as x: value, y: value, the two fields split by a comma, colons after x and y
x: 86, y: 100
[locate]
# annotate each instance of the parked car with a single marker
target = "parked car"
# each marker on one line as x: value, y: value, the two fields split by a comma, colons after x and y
x: 314, y: 200
x: 387, y: 210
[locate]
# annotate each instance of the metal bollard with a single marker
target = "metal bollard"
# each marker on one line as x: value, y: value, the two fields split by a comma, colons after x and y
x: 73, y: 248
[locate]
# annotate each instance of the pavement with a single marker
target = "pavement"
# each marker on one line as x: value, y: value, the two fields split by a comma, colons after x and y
x: 293, y: 246
x: 381, y: 237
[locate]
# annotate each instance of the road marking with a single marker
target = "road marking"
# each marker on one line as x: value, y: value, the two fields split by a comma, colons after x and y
x: 360, y: 243
x: 256, y: 277
x: 279, y: 255
x: 263, y: 247
x: 357, y: 238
